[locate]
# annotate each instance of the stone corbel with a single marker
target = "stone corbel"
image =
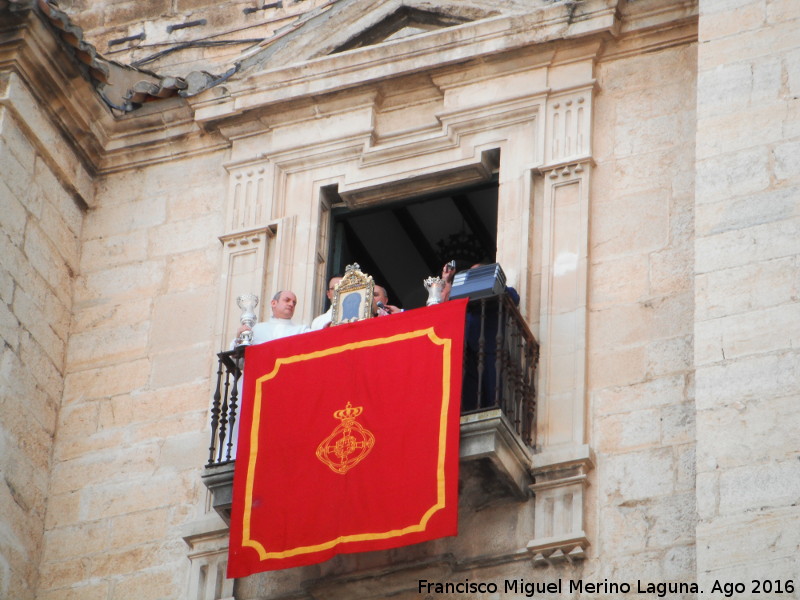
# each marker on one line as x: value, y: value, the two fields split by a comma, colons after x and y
x: 208, y: 554
x: 560, y: 481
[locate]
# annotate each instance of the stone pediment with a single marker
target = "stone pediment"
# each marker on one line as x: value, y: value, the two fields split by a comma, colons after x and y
x: 351, y: 24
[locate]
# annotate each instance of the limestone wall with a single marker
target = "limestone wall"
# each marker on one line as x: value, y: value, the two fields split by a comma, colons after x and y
x: 111, y: 316
x: 40, y: 229
x: 639, y: 362
x: 132, y: 429
x: 746, y: 291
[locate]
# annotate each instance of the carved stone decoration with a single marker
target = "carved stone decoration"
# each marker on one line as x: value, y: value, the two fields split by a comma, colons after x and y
x: 559, y: 498
x: 249, y: 203
x: 569, y: 120
x: 208, y: 555
x: 244, y: 262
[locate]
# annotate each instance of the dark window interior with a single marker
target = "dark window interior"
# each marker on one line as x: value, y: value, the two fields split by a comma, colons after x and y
x: 402, y: 243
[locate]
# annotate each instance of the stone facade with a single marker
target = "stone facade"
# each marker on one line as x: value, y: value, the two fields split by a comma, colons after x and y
x: 645, y: 155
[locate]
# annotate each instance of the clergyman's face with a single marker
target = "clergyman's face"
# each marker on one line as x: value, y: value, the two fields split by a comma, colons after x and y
x: 332, y: 286
x: 283, y: 307
x: 379, y: 295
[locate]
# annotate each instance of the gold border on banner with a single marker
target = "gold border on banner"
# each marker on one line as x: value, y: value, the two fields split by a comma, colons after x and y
x: 360, y: 537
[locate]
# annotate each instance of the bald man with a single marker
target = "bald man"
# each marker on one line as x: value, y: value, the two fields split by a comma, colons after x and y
x: 280, y: 325
x: 380, y: 303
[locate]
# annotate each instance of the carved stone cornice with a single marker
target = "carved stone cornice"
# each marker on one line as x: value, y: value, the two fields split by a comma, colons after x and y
x: 449, y: 46
x: 44, y: 87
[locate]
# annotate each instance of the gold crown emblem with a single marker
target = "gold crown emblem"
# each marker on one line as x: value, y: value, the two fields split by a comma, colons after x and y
x: 348, y: 412
x: 348, y: 444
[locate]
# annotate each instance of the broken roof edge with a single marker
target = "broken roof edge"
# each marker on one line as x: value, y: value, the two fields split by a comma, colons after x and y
x: 122, y: 87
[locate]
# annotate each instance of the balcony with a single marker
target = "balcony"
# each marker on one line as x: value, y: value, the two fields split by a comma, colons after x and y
x: 498, y: 419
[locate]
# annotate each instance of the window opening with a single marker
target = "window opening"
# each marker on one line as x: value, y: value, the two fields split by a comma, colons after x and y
x: 401, y: 243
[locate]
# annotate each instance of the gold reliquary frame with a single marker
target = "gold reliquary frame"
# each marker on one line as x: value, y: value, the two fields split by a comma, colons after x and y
x: 352, y: 297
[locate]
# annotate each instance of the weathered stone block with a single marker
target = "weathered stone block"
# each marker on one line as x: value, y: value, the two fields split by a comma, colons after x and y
x: 108, y: 346
x: 17, y: 143
x: 109, y: 467
x: 123, y: 218
x: 732, y: 175
x: 749, y: 378
x: 183, y: 319
x: 612, y: 369
x: 9, y: 327
x: 755, y: 209
x: 65, y: 542
x: 112, y: 250
x: 120, y: 498
x: 63, y: 510
x: 16, y: 177
x: 669, y: 356
x: 787, y: 160
x: 151, y: 405
x: 194, y: 271
x: 707, y: 493
x: 108, y: 316
x: 671, y: 271
x: 762, y: 331
x: 678, y: 424
x: 38, y: 364
x: 747, y: 246
x: 768, y: 543
x: 630, y: 225
x: 728, y: 134
x: 184, y: 236
x: 13, y: 216
x: 106, y: 382
x: 657, y: 392
x: 152, y: 584
x: 120, y: 283
x: 671, y: 520
x: 637, y: 475
x: 746, y: 433
x: 738, y: 18
x: 64, y: 574
x: 627, y: 431
x: 621, y: 280
x: 39, y: 329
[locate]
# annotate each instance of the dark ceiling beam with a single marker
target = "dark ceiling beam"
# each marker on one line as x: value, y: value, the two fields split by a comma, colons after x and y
x: 429, y: 256
x: 365, y: 260
x: 475, y: 223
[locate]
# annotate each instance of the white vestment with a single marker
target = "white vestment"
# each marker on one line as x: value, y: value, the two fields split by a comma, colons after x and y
x: 275, y: 329
x: 266, y: 331
x: 322, y: 320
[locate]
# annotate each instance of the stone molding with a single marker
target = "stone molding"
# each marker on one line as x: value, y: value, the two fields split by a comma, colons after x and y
x: 208, y: 555
x: 449, y: 46
x: 488, y: 434
x: 44, y: 133
x: 561, y: 479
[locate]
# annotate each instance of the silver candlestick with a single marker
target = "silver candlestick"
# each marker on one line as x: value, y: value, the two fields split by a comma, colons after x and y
x: 435, y: 287
x: 248, y: 303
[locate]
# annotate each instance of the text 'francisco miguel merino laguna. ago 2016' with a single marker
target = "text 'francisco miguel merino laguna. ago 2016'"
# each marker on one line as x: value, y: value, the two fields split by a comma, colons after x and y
x: 530, y: 588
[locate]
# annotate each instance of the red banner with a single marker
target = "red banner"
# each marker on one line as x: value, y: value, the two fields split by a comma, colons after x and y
x: 349, y: 440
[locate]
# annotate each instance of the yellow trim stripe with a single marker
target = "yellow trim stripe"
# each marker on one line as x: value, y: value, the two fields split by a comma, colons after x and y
x: 446, y: 343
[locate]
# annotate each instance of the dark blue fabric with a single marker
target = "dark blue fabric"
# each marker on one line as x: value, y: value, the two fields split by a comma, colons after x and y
x: 471, y: 399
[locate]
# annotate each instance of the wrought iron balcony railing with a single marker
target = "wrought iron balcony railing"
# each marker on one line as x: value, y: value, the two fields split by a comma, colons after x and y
x: 500, y: 356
